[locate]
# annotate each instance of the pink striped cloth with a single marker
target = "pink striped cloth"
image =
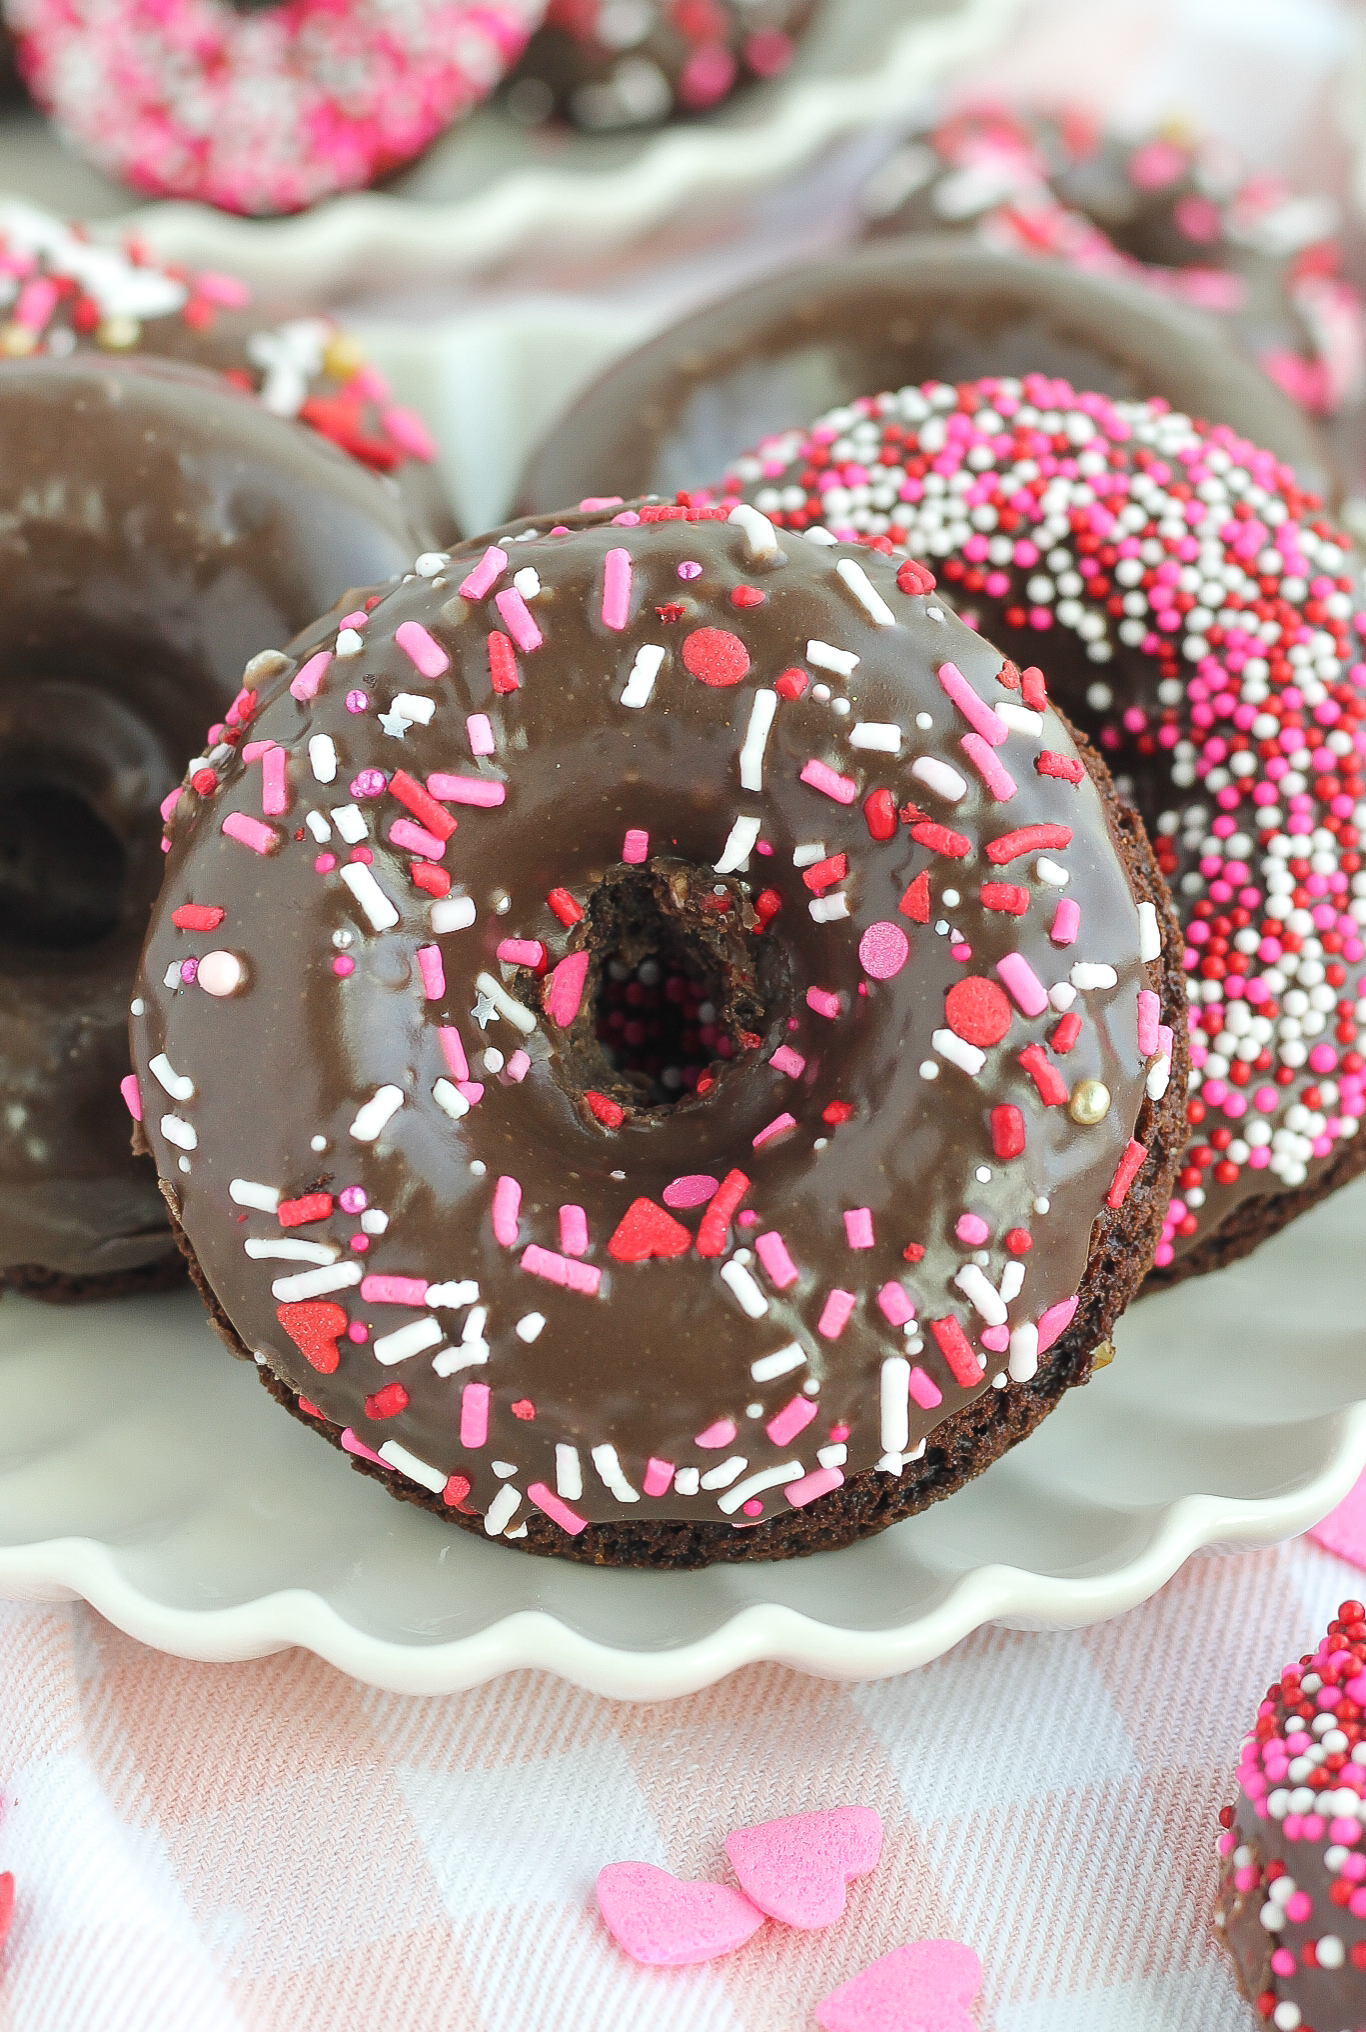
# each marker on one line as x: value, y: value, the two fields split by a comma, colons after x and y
x: 269, y: 1847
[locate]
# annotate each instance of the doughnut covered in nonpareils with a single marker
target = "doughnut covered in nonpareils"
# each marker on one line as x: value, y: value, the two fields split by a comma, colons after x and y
x: 661, y: 1040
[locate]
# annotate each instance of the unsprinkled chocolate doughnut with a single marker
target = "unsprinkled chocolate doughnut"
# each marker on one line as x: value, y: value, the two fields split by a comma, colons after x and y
x: 715, y: 1038
x: 156, y: 531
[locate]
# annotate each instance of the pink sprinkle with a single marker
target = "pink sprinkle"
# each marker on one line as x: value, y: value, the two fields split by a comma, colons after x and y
x: 794, y: 1417
x: 566, y: 989
x: 896, y: 1307
x: 1149, y: 1009
x: 824, y: 1001
x: 883, y: 950
x: 343, y: 965
x: 659, y: 1476
x: 474, y: 1415
x: 573, y: 1230
x: 771, y: 1250
x: 225, y: 290
x: 517, y: 1067
x: 775, y: 1128
x: 358, y: 619
x: 994, y: 774
x: 37, y: 301
x: 356, y: 702
x: 835, y: 1314
x: 455, y: 1052
x: 409, y: 433
x: 486, y: 573
x: 480, y: 790
x: 1165, y: 1039
x: 432, y: 972
x: 592, y: 502
x: 556, y: 1509
x: 394, y: 1290
x: 132, y: 1097
x: 254, y: 750
x: 818, y: 1483
x: 308, y: 681
x: 517, y: 615
x: 616, y: 589
x: 262, y: 839
x: 1066, y: 922
x: 1026, y: 989
x: 1055, y: 1320
x: 427, y: 656
x: 470, y: 1090
x: 350, y: 1444
x: 971, y: 1230
x: 858, y: 1227
x: 924, y: 1389
x: 690, y: 569
x: 415, y: 839
x: 521, y: 952
x: 171, y: 800
x: 480, y: 733
x: 693, y: 1189
x: 989, y: 725
x: 560, y: 1270
x: 718, y: 1435
x: 358, y: 1332
x: 507, y: 1198
x: 353, y: 1199
x: 789, y: 1061
x: 822, y: 777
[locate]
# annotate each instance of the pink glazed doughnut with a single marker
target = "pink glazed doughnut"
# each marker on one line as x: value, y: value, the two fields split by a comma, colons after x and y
x: 262, y: 112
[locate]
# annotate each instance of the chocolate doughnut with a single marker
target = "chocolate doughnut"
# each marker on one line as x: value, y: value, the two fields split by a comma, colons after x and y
x: 1183, y: 215
x: 674, y: 413
x: 1202, y: 620
x: 611, y: 64
x: 1292, y: 1895
x: 713, y: 1033
x: 64, y: 293
x: 156, y: 530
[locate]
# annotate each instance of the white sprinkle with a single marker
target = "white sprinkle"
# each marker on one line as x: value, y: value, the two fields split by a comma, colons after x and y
x: 408, y: 1464
x: 807, y: 855
x: 465, y: 1292
x: 687, y: 1482
x: 383, y: 1104
x: 829, y: 909
x: 1149, y: 933
x: 983, y: 1296
x: 1159, y: 1078
x: 318, y: 826
x: 1061, y: 996
x: 825, y: 657
x: 431, y: 562
x: 1051, y: 872
x: 406, y: 1341
x: 865, y: 592
x: 724, y: 1473
x: 894, y: 1399
x: 314, y: 1283
x: 411, y: 708
x: 521, y: 1018
x: 761, y: 538
x: 756, y: 736
x: 609, y: 1468
x: 751, y: 1298
x: 1020, y: 719
x: 883, y: 735
x: 739, y: 845
x: 1012, y: 1281
x: 958, y: 1051
x: 137, y: 1006
x: 644, y: 671
x: 291, y: 1252
x: 935, y: 613
x: 246, y: 1192
x: 450, y: 1100
x: 832, y: 1456
x: 322, y: 756
x: 502, y: 1509
x: 767, y: 1478
x: 940, y: 777
x: 350, y: 642
x: 177, y: 1085
x: 349, y: 820
x: 825, y: 537
x: 528, y: 1327
x: 453, y: 913
x: 369, y: 895
x: 1087, y: 975
x: 568, y: 1472
x: 374, y: 1221
x: 780, y: 1364
x: 527, y: 581
x: 180, y: 1133
x: 1024, y: 1354
x: 469, y: 1355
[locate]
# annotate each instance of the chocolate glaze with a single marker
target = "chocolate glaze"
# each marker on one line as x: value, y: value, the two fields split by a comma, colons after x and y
x: 674, y: 413
x: 656, y: 1351
x: 156, y: 530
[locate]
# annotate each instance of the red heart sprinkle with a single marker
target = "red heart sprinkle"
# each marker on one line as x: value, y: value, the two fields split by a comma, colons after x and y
x: 646, y: 1230
x: 976, y: 1010
x: 313, y: 1325
x: 715, y: 656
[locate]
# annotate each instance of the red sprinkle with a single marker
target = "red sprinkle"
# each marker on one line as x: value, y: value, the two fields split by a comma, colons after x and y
x: 940, y: 840
x: 715, y: 657
x: 835, y: 1112
x: 1032, y: 688
x: 564, y: 906
x: 455, y: 1492
x: 747, y: 596
x: 297, y: 1213
x: 502, y: 663
x: 791, y: 684
x: 672, y: 610
x: 1066, y: 1033
x: 388, y: 1402
x: 879, y: 812
x: 1008, y: 896
x: 422, y: 804
x: 711, y: 1235
x: 914, y: 1252
x: 523, y: 1409
x: 915, y: 904
x: 313, y: 1325
x: 1126, y: 1171
x: 646, y: 1230
x: 1019, y: 1241
x: 607, y: 1112
x: 825, y: 874
x: 1007, y: 1131
x: 197, y: 917
x: 1046, y: 1077
x: 434, y: 880
x: 767, y: 904
x: 1027, y: 840
x: 1009, y: 675
x: 915, y: 578
x: 1065, y: 766
x: 978, y: 1011
x: 204, y: 781
x: 956, y: 1349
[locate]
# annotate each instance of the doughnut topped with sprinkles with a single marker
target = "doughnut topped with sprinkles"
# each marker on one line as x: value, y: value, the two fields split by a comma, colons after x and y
x: 1201, y: 617
x: 659, y: 1040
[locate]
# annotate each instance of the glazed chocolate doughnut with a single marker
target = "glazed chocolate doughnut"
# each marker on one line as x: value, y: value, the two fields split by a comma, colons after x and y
x: 712, y: 1034
x: 1185, y: 216
x: 156, y: 530
x: 1203, y: 621
x: 673, y: 414
x: 64, y: 293
x: 1292, y: 1895
x: 610, y: 64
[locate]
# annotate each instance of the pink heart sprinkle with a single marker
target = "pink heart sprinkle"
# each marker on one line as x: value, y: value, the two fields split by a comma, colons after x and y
x: 923, y: 1987
x: 796, y: 1869
x: 665, y: 1923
